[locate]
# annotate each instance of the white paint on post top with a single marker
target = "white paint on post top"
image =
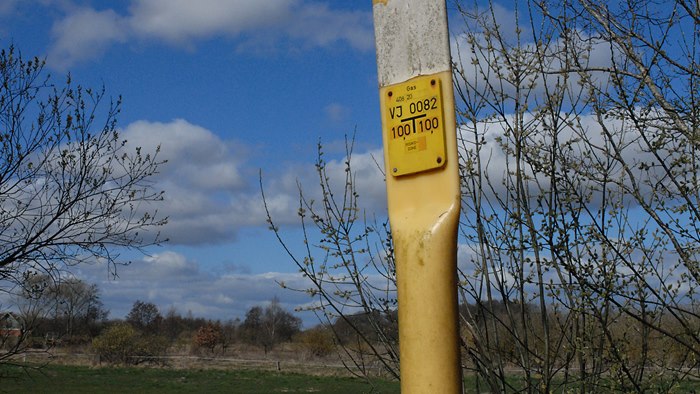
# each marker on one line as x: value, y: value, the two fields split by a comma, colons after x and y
x: 414, y: 39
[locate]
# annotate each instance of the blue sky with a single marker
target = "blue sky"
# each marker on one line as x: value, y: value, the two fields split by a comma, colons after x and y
x: 227, y: 88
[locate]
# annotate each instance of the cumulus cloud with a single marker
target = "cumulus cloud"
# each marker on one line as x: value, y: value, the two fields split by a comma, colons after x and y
x: 486, y: 62
x: 170, y: 280
x: 282, y: 192
x: 207, y: 198
x: 179, y: 21
x: 198, y: 158
x: 211, y: 188
x: 318, y: 25
x: 587, y: 148
x: 85, y: 33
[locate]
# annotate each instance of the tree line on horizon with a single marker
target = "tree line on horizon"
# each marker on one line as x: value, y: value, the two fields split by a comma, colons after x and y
x: 69, y: 313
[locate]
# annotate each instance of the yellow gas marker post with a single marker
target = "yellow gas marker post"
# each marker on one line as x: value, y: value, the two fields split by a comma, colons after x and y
x: 422, y: 181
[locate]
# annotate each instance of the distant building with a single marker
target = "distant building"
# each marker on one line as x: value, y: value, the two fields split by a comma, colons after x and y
x: 9, y: 326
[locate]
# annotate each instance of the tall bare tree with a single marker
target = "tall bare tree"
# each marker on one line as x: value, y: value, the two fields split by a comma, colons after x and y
x: 71, y: 189
x: 145, y: 317
x: 67, y: 308
x: 270, y: 325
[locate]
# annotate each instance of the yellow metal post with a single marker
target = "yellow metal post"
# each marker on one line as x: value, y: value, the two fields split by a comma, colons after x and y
x: 422, y: 180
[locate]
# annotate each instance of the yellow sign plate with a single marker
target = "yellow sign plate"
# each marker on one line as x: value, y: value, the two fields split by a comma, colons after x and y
x: 414, y: 125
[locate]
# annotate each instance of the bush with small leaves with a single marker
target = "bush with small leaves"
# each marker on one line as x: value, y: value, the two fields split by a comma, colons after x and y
x: 116, y: 344
x: 317, y: 341
x: 122, y: 344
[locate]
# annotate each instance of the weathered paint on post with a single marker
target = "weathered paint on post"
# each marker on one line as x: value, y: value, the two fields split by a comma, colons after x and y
x: 412, y: 40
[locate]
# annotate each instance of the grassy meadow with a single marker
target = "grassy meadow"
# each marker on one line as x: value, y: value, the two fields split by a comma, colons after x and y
x: 58, y: 379
x: 73, y: 379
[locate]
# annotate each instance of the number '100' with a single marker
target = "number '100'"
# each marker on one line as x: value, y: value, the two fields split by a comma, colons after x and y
x: 416, y: 126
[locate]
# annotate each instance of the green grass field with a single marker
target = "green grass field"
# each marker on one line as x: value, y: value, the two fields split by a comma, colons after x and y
x: 58, y: 379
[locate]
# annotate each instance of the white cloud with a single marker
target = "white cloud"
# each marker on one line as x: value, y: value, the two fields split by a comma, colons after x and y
x: 171, y: 262
x: 487, y: 64
x: 369, y: 179
x: 336, y: 112
x: 491, y: 16
x: 318, y: 25
x: 179, y: 21
x: 211, y: 190
x: 198, y: 158
x: 282, y: 192
x: 86, y: 33
x: 582, y: 145
x: 168, y: 279
x: 207, y: 196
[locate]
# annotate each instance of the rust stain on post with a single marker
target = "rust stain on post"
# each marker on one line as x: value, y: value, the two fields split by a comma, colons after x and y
x: 379, y: 2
